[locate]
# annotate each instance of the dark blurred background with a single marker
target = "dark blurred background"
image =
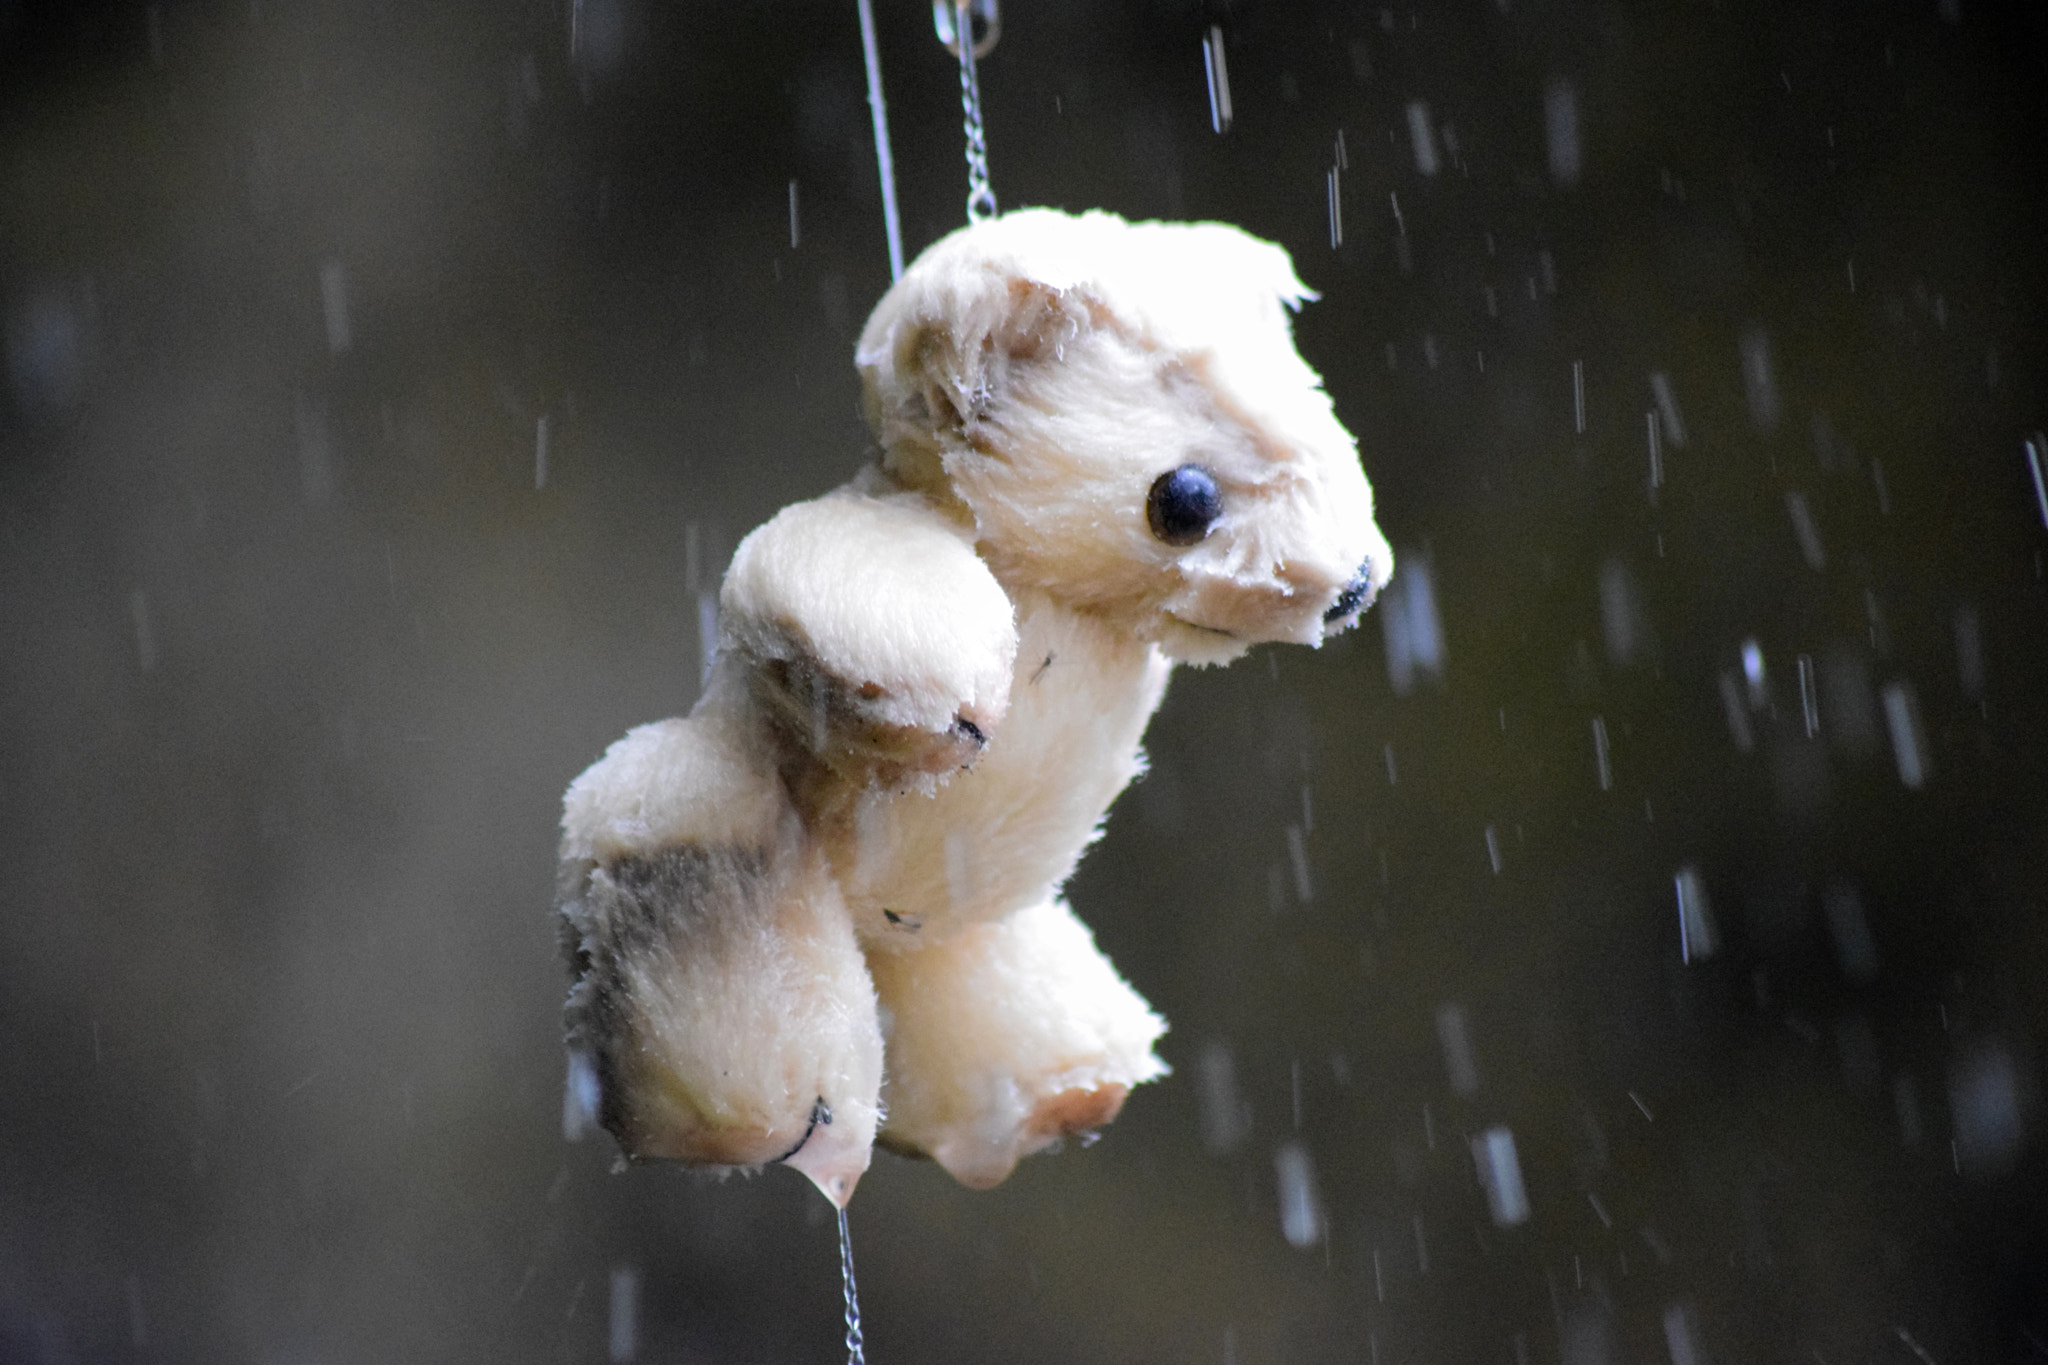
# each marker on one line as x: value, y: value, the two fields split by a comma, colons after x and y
x: 1628, y: 945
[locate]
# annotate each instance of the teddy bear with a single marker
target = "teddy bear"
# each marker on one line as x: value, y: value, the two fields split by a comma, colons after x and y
x: 824, y: 909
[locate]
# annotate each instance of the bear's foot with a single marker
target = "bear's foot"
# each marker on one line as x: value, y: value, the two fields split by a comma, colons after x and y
x: 1004, y: 1038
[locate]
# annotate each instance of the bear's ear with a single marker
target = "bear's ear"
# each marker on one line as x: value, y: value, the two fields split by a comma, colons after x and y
x: 1039, y: 321
x: 947, y: 368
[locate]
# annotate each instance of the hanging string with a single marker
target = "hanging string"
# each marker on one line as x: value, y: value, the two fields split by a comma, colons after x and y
x: 856, y: 1350
x: 890, y: 224
x: 954, y: 20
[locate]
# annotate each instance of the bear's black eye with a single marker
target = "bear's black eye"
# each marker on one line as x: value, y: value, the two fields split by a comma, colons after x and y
x: 1183, y: 505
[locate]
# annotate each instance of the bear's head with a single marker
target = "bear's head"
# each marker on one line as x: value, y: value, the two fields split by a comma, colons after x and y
x: 1118, y: 411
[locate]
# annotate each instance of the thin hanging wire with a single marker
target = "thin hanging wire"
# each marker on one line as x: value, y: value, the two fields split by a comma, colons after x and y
x: 856, y: 1350
x: 890, y: 223
x: 952, y: 19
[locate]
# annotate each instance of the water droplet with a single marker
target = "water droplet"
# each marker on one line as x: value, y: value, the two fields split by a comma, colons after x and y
x: 1759, y: 382
x: 1226, y: 1119
x: 625, y: 1314
x: 1301, y: 1207
x: 1456, y: 1040
x: 1423, y: 140
x: 1696, y: 933
x: 1500, y: 1175
x: 580, y: 1096
x: 334, y: 306
x: 1909, y: 742
x: 1561, y: 130
x: 1219, y: 79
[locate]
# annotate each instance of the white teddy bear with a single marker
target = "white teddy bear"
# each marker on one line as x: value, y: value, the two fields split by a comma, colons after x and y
x: 827, y: 903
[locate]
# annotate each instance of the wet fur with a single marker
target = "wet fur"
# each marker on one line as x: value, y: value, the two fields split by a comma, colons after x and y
x: 837, y: 882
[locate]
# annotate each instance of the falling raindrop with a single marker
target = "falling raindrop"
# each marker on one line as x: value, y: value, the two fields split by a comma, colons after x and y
x: 1681, y: 1336
x: 1621, y: 613
x: 1219, y: 79
x: 1969, y: 653
x: 1301, y: 1206
x: 1909, y: 743
x: 1226, y: 1118
x: 1656, y: 455
x: 46, y: 351
x: 1738, y: 718
x: 1808, y: 534
x: 580, y: 1096
x: 1753, y: 673
x: 1500, y: 1175
x: 1696, y: 933
x: 1297, y: 858
x: 1456, y: 1040
x: 707, y: 633
x: 2035, y: 456
x: 1408, y: 618
x: 1561, y: 130
x: 625, y: 1314
x: 1667, y: 408
x: 1984, y: 1089
x: 334, y: 305
x: 1420, y: 136
x: 1759, y: 383
x: 145, y: 635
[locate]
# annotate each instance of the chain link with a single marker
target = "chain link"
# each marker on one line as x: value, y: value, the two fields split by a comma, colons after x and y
x: 981, y: 199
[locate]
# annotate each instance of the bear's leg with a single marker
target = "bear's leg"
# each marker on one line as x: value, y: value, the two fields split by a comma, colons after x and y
x: 729, y: 1013
x: 1005, y: 1037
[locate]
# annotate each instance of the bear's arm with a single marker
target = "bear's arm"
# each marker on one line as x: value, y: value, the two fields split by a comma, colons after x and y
x: 872, y: 635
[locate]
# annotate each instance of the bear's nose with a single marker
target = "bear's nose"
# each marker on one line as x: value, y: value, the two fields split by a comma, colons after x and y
x: 1356, y: 597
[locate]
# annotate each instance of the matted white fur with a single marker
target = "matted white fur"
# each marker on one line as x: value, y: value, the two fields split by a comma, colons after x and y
x: 720, y: 990
x: 1113, y: 351
x: 876, y: 588
x: 992, y: 1026
x: 932, y: 684
x: 1009, y: 830
x: 670, y: 783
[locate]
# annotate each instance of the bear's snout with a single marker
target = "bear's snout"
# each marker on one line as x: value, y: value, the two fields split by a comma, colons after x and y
x: 1356, y: 596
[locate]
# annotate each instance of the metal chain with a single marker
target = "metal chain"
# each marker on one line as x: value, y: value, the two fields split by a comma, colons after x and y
x: 981, y: 199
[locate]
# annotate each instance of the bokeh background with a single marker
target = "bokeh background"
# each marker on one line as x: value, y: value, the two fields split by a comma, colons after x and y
x: 386, y: 385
